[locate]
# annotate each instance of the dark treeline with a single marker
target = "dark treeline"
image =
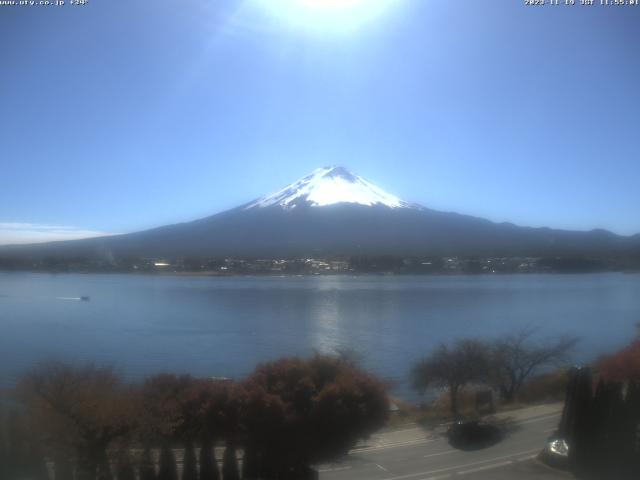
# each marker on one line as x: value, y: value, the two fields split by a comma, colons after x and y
x: 601, y: 423
x: 485, y: 265
x: 352, y: 264
x: 84, y: 423
x: 601, y: 417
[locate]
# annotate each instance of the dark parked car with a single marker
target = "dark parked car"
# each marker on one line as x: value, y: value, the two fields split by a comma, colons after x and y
x: 469, y: 434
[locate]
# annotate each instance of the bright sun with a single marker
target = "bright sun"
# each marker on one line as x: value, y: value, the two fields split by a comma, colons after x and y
x: 325, y: 14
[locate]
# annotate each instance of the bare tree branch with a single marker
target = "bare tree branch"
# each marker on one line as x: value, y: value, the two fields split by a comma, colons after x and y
x: 517, y: 356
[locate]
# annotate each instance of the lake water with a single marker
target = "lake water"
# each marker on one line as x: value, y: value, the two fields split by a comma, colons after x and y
x: 144, y: 324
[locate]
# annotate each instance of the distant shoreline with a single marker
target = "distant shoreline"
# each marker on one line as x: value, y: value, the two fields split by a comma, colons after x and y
x: 312, y: 275
x: 330, y: 265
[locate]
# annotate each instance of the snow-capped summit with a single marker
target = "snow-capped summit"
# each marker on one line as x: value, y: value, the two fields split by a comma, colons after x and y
x: 329, y: 186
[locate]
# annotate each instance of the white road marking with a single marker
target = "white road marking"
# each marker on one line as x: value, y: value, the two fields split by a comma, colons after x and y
x: 485, y: 467
x: 447, y: 452
x: 392, y: 445
x: 528, y: 457
x: 454, y: 467
x: 538, y: 419
x: 334, y: 469
x: 422, y: 441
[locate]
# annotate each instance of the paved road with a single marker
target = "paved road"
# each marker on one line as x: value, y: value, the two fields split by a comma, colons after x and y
x: 415, y: 454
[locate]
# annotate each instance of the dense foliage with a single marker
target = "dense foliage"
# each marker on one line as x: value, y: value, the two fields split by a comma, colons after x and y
x: 286, y: 416
x: 299, y: 412
x: 622, y: 366
x: 78, y: 410
x: 601, y: 426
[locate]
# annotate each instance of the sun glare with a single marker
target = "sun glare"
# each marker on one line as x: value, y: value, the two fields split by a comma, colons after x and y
x: 330, y: 4
x: 325, y: 15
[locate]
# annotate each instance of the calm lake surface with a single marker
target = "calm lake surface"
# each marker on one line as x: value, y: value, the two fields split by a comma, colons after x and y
x: 144, y: 324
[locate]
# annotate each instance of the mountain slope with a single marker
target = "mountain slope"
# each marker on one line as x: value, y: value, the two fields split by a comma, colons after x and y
x: 333, y: 212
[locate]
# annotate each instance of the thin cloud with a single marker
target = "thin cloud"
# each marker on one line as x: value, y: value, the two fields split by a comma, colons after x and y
x: 13, y: 233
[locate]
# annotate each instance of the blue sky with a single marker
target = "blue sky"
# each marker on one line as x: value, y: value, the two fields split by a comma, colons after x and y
x: 120, y: 115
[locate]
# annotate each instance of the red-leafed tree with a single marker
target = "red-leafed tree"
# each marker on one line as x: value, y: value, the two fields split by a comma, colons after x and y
x: 82, y: 409
x: 299, y: 412
x: 186, y: 411
x: 622, y: 366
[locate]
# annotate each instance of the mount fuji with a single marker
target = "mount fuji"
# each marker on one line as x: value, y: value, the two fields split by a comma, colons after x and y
x: 330, y: 186
x: 333, y: 212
